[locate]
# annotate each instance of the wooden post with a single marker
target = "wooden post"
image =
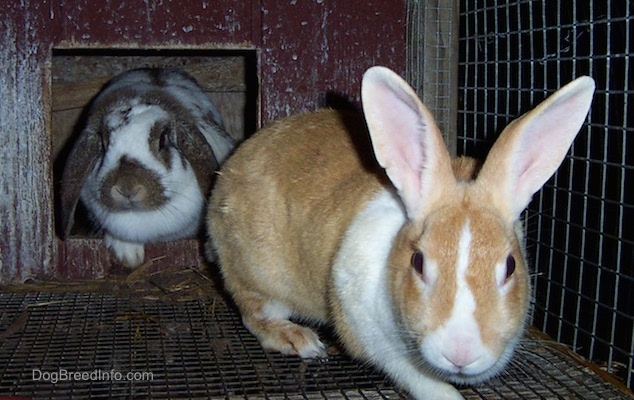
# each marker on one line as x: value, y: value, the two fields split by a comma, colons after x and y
x: 432, y: 60
x: 26, y: 196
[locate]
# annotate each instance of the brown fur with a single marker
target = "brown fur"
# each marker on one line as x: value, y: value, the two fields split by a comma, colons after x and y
x: 316, y: 224
x: 131, y: 186
x: 93, y: 141
x: 262, y: 243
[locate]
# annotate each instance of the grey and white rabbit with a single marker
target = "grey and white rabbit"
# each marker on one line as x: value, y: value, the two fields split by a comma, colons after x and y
x: 144, y: 163
x: 417, y: 260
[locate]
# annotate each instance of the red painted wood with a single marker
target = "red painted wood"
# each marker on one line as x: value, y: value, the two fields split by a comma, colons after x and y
x: 168, y: 23
x: 306, y: 49
x: 310, y: 48
x: 89, y: 258
x: 26, y: 212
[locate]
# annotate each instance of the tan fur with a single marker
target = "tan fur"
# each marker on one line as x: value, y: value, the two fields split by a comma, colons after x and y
x: 493, y: 240
x: 498, y: 318
x: 465, y: 168
x: 263, y: 244
x: 280, y: 247
x: 283, y: 220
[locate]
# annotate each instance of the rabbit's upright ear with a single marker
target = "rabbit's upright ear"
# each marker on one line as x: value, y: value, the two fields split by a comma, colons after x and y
x: 406, y: 140
x: 81, y: 160
x: 531, y: 148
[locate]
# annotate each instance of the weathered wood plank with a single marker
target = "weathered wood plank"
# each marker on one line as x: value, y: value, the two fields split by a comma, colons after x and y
x: 26, y: 212
x: 313, y: 48
x: 115, y: 24
x: 76, y: 79
x: 81, y: 258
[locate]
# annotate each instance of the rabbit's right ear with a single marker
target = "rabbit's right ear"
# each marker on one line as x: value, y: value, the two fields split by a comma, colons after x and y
x: 406, y: 140
x: 79, y: 163
x: 531, y: 148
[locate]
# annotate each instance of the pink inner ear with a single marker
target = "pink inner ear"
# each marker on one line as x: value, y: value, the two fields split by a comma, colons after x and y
x: 402, y: 158
x: 532, y: 147
x: 402, y: 148
x: 546, y: 139
x: 406, y: 141
x: 394, y: 125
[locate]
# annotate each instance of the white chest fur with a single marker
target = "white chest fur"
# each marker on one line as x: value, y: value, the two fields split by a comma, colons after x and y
x: 360, y: 281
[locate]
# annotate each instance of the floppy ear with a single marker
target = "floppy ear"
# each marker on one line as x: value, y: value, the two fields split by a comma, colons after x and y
x: 80, y: 162
x: 198, y: 152
x: 406, y: 140
x: 531, y: 148
x: 213, y: 130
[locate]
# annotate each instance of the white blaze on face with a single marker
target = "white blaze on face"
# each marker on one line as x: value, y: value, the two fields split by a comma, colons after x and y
x: 130, y: 135
x: 456, y: 346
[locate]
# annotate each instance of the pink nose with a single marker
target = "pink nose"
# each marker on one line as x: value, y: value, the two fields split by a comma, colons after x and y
x: 461, y: 358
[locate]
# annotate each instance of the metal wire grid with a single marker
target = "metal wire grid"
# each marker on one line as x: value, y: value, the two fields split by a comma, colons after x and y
x: 197, y: 349
x: 191, y: 350
x: 579, y: 227
x: 431, y: 67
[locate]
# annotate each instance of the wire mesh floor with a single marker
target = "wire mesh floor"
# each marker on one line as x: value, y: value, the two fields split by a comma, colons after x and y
x: 95, y: 344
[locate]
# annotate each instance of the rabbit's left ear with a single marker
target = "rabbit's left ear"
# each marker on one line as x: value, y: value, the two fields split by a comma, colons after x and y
x: 198, y: 152
x: 81, y: 160
x: 531, y: 148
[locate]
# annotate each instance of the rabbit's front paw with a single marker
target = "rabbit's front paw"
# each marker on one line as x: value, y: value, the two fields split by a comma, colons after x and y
x: 129, y: 254
x: 287, y: 337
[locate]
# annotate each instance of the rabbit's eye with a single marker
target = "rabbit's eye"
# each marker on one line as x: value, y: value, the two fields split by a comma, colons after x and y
x: 417, y: 262
x: 164, y: 138
x: 510, y: 266
x: 105, y: 140
x: 161, y: 142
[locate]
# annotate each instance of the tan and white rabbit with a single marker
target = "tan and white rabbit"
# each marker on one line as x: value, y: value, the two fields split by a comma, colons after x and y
x: 144, y: 162
x: 421, y: 273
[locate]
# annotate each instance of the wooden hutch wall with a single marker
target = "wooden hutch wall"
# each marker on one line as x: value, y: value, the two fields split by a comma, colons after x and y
x: 304, y: 50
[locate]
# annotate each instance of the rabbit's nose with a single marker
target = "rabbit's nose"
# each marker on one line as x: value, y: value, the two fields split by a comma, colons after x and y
x: 461, y: 360
x: 128, y: 194
x: 132, y: 187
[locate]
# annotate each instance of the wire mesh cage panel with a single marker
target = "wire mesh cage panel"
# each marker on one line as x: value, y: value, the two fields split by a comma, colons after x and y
x: 431, y: 69
x: 144, y: 345
x: 580, y: 232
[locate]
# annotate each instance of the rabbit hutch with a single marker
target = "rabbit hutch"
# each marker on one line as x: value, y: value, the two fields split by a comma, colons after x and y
x: 74, y: 324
